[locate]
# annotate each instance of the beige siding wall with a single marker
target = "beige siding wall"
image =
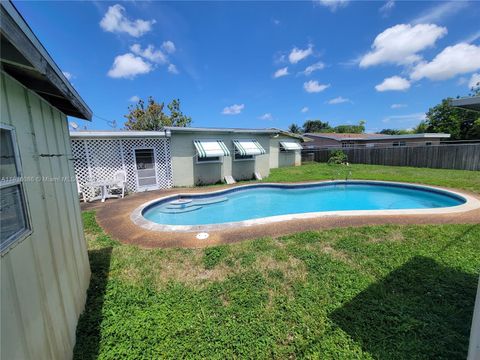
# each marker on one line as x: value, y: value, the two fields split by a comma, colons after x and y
x: 44, y: 278
x: 187, y: 172
x: 283, y: 158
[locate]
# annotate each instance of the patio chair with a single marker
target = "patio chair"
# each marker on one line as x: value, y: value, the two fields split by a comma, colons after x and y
x: 81, y: 191
x: 120, y: 178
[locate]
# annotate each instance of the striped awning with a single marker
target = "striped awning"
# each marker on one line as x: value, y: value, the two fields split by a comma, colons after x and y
x: 248, y: 147
x: 210, y: 148
x: 290, y: 145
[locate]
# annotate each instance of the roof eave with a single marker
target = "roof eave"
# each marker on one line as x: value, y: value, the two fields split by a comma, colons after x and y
x: 42, y: 71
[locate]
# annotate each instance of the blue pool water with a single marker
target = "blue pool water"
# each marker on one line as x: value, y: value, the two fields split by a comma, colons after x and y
x: 270, y: 200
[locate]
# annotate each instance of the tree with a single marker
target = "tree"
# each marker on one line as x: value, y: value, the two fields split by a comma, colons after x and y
x: 461, y: 124
x: 295, y: 129
x: 152, y: 117
x: 395, y: 132
x: 312, y: 126
x: 355, y: 129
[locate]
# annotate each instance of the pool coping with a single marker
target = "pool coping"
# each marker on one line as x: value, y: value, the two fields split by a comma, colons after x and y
x: 471, y: 203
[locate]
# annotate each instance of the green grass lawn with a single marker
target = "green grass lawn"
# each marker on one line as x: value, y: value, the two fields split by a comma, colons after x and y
x: 460, y: 179
x: 378, y: 292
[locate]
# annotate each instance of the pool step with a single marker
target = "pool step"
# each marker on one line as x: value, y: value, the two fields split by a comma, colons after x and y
x: 196, y: 202
x: 210, y: 201
x: 180, y: 210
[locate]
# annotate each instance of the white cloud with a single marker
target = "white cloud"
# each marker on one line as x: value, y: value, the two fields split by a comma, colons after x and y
x: 297, y: 54
x: 333, y: 5
x: 281, y: 72
x: 398, y: 106
x: 169, y: 47
x: 401, y: 43
x: 472, y: 37
x: 234, y: 109
x: 276, y: 21
x: 313, y: 86
x: 394, y: 83
x: 68, y: 75
x: 149, y: 53
x: 402, y: 119
x: 134, y: 99
x: 440, y: 12
x: 474, y: 81
x: 314, y: 67
x: 128, y: 66
x: 452, y: 61
x: 172, y: 69
x: 339, y: 100
x: 387, y: 8
x: 304, y: 109
x: 115, y: 21
x: 266, y: 116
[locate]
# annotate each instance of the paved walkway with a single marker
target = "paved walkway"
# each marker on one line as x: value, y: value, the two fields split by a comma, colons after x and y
x: 114, y: 217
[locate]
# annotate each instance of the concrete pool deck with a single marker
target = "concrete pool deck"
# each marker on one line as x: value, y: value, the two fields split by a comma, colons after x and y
x: 114, y: 217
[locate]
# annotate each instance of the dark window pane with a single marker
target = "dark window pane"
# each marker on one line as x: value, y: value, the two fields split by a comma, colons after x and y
x: 12, y: 214
x: 8, y: 168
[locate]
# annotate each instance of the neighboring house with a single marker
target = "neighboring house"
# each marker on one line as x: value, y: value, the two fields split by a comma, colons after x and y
x: 337, y: 140
x: 44, y: 261
x: 182, y: 156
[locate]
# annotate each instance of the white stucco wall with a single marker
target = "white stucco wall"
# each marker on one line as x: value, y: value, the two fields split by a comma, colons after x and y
x: 187, y: 172
x: 283, y: 158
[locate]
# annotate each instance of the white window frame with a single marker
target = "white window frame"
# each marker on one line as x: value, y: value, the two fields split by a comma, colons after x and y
x: 252, y: 158
x: 27, y: 231
x: 145, y: 187
x: 200, y: 162
x: 220, y: 158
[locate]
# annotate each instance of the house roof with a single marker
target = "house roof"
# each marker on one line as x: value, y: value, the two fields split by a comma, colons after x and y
x: 117, y: 134
x: 370, y: 137
x: 272, y: 131
x: 24, y: 58
x: 467, y: 103
x: 170, y: 129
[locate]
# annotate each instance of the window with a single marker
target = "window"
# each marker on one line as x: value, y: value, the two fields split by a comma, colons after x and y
x: 209, y: 159
x: 428, y: 143
x: 348, y: 144
x: 243, y: 157
x: 399, y: 143
x: 13, y: 212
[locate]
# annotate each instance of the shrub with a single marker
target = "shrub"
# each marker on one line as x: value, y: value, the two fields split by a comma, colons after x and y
x: 337, y: 157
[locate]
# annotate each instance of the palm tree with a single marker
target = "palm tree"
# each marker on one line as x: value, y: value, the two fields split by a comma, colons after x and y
x: 295, y: 129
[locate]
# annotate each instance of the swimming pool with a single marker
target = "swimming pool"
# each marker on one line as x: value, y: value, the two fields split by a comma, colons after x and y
x: 275, y: 202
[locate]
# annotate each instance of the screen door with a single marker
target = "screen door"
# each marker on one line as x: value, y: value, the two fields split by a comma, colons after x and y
x: 145, y: 164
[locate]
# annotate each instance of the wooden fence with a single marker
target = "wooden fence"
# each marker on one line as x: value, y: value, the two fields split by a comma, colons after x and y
x: 457, y: 156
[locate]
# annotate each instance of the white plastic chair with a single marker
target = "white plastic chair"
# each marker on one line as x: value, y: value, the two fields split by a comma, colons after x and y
x: 81, y: 191
x: 120, y: 178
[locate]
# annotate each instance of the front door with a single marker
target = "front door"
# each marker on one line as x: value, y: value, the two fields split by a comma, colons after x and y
x: 145, y: 166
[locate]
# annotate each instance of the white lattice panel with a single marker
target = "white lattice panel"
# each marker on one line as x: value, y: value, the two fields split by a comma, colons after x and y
x: 99, y: 159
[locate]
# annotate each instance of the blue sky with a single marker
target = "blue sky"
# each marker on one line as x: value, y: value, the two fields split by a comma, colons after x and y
x: 265, y: 64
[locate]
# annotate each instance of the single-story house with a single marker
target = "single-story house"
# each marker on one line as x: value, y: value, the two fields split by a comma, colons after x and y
x: 44, y: 261
x: 178, y: 156
x: 347, y: 140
